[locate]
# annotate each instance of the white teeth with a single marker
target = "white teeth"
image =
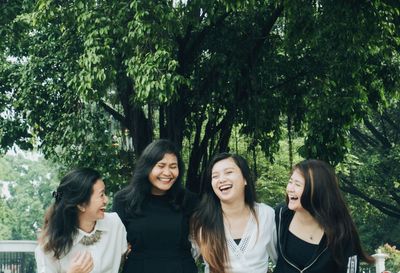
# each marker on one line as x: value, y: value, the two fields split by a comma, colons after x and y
x: 165, y: 179
x: 225, y: 187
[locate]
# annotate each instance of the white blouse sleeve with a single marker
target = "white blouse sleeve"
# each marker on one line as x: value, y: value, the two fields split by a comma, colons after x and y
x: 272, y: 246
x: 120, y: 233
x: 46, y: 263
x: 270, y: 226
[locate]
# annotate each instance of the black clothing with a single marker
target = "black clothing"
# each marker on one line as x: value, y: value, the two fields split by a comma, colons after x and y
x: 321, y: 259
x: 299, y: 251
x: 160, y: 237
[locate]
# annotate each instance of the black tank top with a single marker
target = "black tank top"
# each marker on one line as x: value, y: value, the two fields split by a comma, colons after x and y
x: 298, y: 251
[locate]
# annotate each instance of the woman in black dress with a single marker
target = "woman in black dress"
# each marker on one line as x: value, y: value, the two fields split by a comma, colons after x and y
x: 155, y: 210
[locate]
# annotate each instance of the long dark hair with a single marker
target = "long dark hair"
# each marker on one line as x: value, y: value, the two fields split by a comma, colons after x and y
x: 139, y: 188
x: 61, y: 220
x: 323, y: 199
x: 207, y: 224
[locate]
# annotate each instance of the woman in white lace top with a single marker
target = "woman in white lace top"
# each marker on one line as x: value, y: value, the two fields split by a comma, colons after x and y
x: 231, y: 231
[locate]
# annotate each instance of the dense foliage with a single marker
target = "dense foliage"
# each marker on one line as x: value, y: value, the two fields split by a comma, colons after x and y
x: 371, y: 168
x: 30, y: 181
x: 93, y: 82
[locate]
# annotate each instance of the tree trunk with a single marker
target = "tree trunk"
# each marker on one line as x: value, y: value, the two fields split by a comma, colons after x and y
x: 139, y: 127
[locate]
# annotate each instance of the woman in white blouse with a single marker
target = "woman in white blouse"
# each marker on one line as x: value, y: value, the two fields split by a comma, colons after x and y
x: 232, y: 232
x: 78, y: 235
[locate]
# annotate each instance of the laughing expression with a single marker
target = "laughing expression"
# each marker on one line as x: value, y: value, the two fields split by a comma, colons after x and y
x: 294, y: 190
x: 95, y: 208
x: 227, y: 180
x: 164, y: 174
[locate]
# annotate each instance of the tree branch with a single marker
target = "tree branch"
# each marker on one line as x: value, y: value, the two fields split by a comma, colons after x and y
x: 395, y: 196
x: 114, y: 113
x: 382, y: 139
x: 187, y: 47
x: 390, y: 121
x: 266, y: 29
x: 385, y: 208
x: 363, y: 139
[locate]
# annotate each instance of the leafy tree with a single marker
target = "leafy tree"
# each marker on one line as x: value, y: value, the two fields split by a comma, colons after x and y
x: 374, y: 227
x: 371, y: 171
x: 370, y: 174
x: 90, y: 78
x: 5, y: 227
x: 31, y: 184
x: 393, y: 262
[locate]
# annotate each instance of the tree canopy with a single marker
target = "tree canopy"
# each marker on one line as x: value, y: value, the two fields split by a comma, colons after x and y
x: 30, y: 182
x: 93, y: 82
x: 371, y: 168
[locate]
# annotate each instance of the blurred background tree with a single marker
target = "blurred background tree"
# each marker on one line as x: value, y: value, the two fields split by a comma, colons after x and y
x: 27, y: 181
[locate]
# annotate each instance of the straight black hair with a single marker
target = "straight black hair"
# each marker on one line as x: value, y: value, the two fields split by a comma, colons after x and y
x: 139, y: 189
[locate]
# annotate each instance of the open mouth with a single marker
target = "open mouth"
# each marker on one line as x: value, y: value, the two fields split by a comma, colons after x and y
x: 165, y: 180
x: 293, y: 198
x: 225, y: 188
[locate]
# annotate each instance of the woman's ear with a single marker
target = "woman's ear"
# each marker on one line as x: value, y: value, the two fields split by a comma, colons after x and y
x: 81, y: 208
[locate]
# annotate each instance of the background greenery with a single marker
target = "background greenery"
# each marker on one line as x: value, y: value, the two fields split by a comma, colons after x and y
x: 91, y: 83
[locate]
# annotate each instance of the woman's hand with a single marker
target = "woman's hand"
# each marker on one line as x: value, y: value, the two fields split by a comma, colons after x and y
x: 81, y: 263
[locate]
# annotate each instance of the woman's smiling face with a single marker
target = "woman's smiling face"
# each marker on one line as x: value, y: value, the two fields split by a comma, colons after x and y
x: 95, y: 208
x: 227, y: 180
x: 164, y: 174
x: 294, y: 190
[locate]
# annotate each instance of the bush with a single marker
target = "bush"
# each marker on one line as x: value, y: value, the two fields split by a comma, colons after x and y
x: 392, y: 263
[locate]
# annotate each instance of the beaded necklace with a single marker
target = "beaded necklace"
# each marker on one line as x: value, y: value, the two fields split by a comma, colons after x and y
x: 88, y: 240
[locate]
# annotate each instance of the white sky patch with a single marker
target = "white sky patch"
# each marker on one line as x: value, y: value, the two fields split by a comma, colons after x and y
x: 30, y: 155
x: 15, y: 60
x: 175, y: 3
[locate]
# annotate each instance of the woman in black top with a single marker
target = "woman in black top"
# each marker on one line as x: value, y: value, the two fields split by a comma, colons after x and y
x: 156, y: 210
x: 315, y: 230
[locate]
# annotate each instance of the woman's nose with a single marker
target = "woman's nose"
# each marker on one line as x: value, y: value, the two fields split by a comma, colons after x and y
x: 167, y: 171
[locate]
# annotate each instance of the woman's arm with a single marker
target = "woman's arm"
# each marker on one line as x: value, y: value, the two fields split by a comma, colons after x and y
x: 270, y: 225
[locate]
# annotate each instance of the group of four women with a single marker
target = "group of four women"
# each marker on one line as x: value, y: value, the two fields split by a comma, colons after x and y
x: 158, y: 226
